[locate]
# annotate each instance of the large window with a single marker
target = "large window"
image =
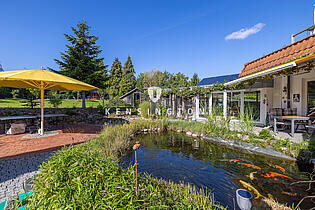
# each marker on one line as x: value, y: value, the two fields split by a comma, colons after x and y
x: 234, y: 104
x: 252, y: 104
x: 203, y: 106
x: 217, y: 104
x: 311, y: 97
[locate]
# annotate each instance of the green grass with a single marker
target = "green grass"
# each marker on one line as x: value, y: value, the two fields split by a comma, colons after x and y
x: 66, y: 103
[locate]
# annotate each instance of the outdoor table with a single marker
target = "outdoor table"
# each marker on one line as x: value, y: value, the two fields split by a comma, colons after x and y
x: 19, y: 117
x: 23, y: 117
x: 292, y: 119
x: 54, y: 115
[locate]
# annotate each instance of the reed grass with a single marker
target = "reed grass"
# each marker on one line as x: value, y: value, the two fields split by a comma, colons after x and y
x: 88, y: 177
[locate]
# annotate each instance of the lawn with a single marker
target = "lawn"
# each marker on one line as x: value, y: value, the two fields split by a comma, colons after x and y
x: 66, y: 103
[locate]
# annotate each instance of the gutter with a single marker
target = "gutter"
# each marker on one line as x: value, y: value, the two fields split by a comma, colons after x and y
x: 263, y: 73
x: 272, y: 70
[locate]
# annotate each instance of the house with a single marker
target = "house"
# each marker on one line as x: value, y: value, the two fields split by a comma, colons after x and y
x: 284, y: 78
x: 133, y: 97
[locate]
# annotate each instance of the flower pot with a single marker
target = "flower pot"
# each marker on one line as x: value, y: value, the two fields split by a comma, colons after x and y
x: 243, y: 198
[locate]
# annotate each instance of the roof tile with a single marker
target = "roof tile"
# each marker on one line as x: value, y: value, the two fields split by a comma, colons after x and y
x: 278, y: 57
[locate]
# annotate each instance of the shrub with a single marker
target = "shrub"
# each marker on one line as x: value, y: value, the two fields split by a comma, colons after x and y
x: 265, y: 134
x: 144, y: 107
x: 55, y: 102
x: 89, y: 177
x: 116, y: 102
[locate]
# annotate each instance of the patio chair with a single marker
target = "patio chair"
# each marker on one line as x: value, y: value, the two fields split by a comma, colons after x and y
x: 274, y: 112
x: 310, y: 129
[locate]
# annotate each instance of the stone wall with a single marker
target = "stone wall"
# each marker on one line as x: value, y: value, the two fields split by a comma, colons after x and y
x: 75, y: 115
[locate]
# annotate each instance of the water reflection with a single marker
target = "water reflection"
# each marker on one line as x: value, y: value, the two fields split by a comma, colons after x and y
x: 178, y: 158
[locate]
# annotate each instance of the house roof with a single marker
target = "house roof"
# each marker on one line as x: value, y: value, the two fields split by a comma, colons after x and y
x: 131, y: 91
x: 290, y: 52
x: 218, y: 79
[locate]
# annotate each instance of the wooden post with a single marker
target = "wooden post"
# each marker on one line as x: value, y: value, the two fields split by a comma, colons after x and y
x: 42, y: 107
x: 135, y: 147
x: 136, y: 174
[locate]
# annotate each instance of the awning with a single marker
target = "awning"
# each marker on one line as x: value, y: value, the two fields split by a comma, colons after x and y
x: 263, y: 73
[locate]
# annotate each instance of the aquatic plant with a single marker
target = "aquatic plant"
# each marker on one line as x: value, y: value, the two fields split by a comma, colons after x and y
x: 88, y: 177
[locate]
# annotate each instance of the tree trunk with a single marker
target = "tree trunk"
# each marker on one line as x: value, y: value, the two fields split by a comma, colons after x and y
x: 83, y: 100
x: 183, y: 108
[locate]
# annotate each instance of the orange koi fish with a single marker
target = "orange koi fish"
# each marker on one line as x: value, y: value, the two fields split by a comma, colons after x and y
x: 274, y: 174
x: 279, y: 167
x: 287, y: 193
x: 250, y: 165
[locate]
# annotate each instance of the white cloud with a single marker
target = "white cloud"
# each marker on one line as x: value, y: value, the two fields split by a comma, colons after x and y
x: 245, y: 32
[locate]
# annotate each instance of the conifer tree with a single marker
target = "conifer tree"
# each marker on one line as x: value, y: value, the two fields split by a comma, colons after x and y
x: 128, y: 80
x: 194, y: 80
x: 80, y: 60
x: 115, y: 75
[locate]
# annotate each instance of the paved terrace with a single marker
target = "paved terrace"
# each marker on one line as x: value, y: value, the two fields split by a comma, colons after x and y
x: 12, y: 145
x: 20, y: 157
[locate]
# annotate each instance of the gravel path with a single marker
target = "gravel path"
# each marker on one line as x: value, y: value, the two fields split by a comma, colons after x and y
x: 14, y: 170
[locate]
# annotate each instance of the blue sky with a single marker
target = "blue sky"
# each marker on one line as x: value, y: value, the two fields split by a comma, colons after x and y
x: 175, y: 35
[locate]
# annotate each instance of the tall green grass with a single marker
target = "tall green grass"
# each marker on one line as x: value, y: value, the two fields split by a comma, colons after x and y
x: 89, y: 177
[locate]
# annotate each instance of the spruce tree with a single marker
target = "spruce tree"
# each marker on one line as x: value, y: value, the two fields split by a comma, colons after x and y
x: 80, y: 61
x: 194, y: 80
x: 128, y: 80
x: 115, y: 75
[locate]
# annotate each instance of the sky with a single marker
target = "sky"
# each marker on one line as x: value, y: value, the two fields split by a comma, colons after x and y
x: 210, y: 38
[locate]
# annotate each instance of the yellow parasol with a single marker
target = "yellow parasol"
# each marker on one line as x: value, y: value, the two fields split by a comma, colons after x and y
x: 43, y: 80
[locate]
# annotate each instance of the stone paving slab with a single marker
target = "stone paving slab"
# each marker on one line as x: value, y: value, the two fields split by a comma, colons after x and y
x: 12, y: 145
x: 20, y: 157
x: 15, y: 170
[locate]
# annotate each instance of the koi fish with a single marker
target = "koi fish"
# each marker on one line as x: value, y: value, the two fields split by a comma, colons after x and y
x: 274, y: 174
x: 287, y: 193
x: 233, y: 161
x: 276, y: 179
x: 251, y: 175
x: 279, y: 167
x: 250, y: 165
x: 250, y: 188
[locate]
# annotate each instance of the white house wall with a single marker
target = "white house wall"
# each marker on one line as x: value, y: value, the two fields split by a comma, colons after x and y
x: 298, y: 86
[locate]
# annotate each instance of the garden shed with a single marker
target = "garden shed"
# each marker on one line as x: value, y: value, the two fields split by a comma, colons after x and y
x: 133, y: 97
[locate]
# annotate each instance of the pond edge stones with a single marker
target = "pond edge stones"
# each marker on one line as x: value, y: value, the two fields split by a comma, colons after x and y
x: 248, y: 147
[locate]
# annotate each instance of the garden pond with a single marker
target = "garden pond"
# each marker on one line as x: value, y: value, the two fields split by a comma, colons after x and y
x: 218, y: 169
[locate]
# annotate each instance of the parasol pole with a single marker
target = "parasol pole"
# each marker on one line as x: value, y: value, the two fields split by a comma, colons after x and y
x: 42, y: 107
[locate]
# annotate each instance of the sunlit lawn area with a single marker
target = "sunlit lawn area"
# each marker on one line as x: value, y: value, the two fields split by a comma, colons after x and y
x: 66, y: 103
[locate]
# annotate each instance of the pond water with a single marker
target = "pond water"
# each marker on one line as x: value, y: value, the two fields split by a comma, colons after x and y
x: 218, y: 169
